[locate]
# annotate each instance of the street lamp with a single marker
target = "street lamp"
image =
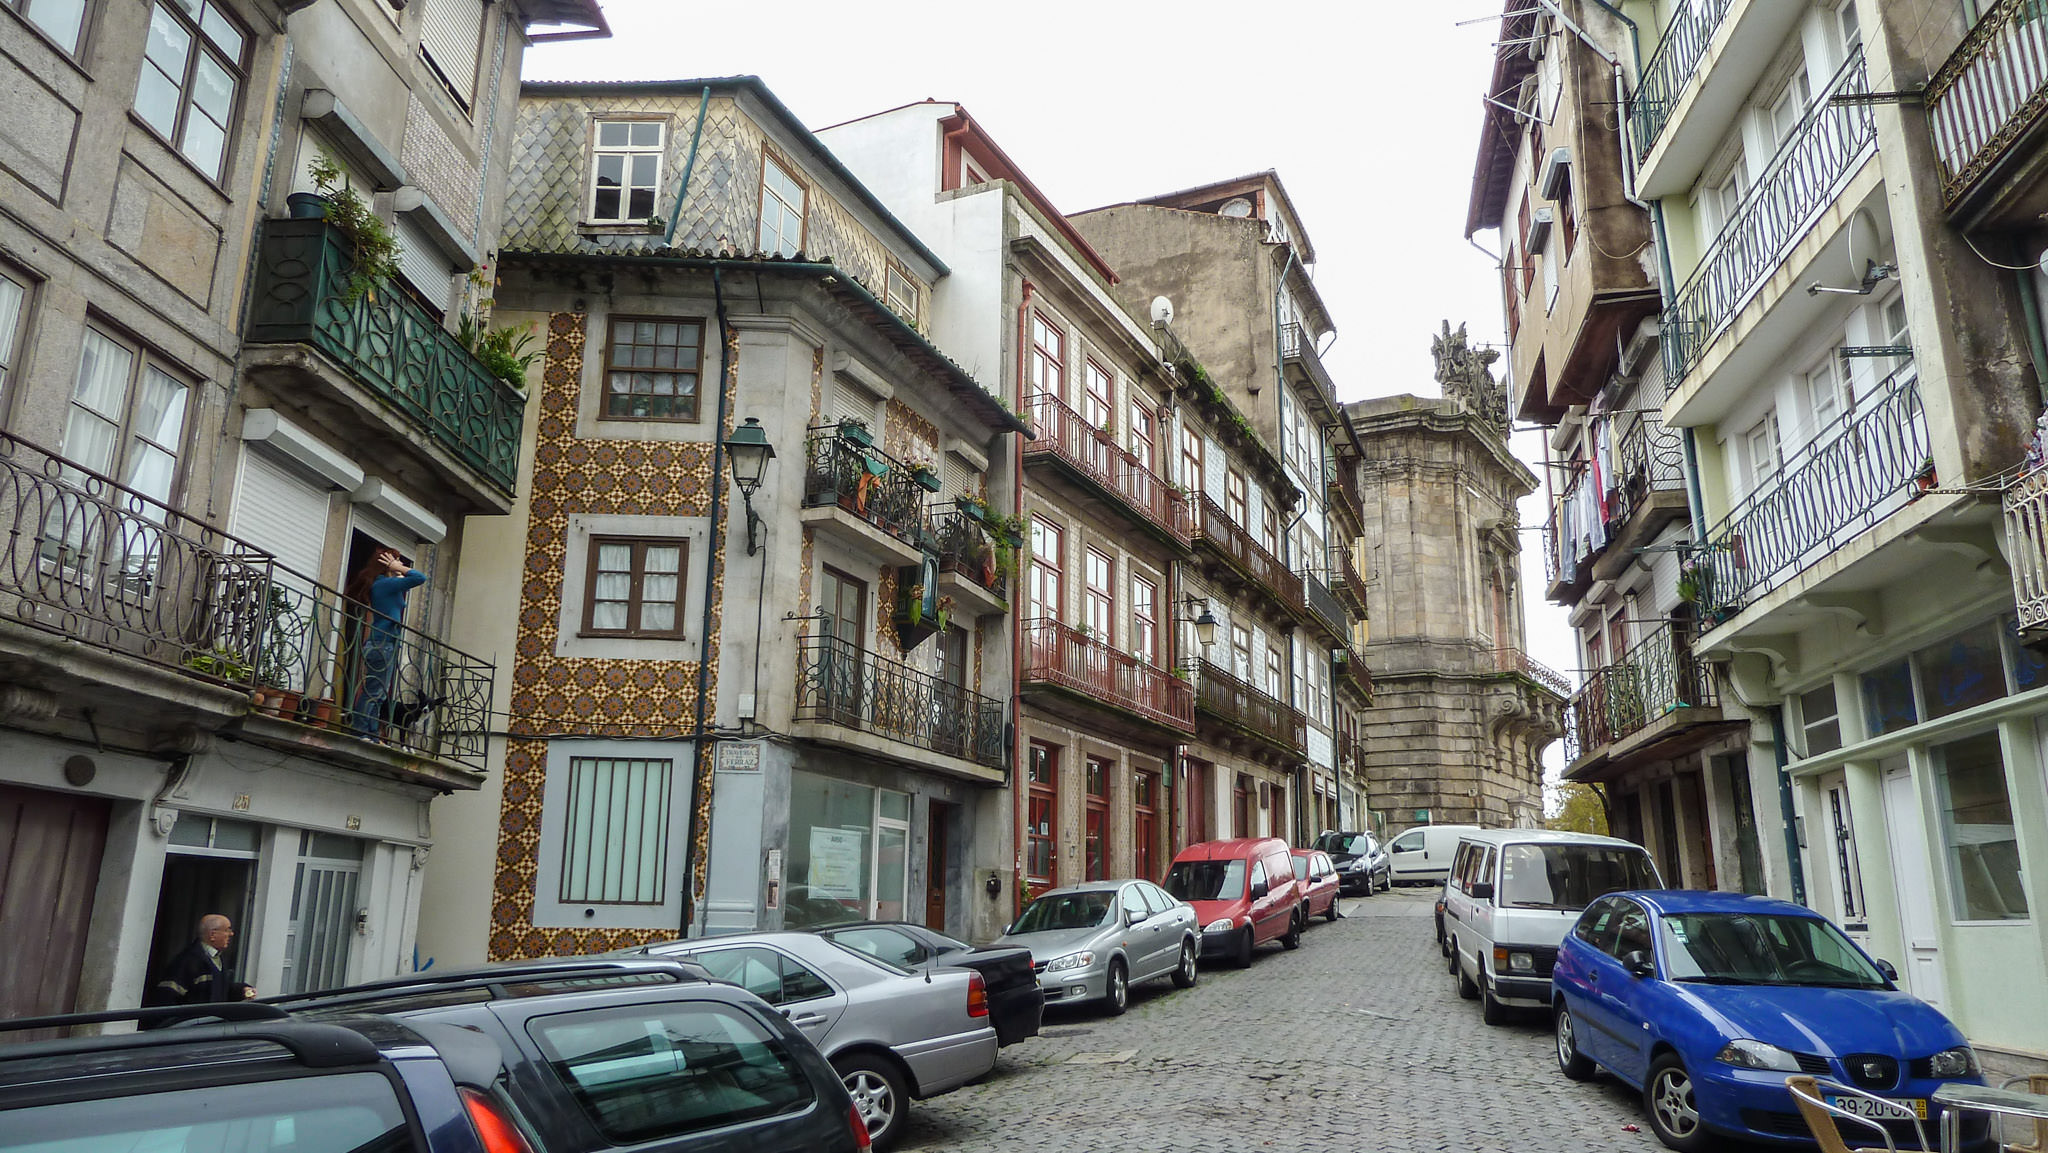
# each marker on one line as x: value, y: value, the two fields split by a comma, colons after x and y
x: 1205, y: 622
x: 749, y: 451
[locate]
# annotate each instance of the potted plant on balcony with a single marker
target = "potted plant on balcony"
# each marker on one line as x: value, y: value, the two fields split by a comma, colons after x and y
x: 1924, y: 480
x: 374, y: 248
x: 1695, y: 580
x: 923, y: 469
x: 917, y: 615
x: 284, y: 632
x: 975, y: 508
x: 219, y: 662
x: 855, y: 429
x: 506, y: 353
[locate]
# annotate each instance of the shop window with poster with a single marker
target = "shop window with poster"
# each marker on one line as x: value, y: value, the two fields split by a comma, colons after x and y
x: 849, y: 853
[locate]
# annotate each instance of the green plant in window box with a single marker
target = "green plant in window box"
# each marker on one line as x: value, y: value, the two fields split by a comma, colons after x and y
x: 375, y: 248
x: 506, y: 353
x: 219, y: 662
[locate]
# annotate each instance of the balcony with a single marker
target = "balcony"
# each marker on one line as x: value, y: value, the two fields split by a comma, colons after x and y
x: 1351, y: 587
x: 1059, y: 657
x: 1269, y: 725
x: 1352, y: 673
x: 110, y: 569
x: 1809, y: 171
x: 1671, y: 66
x: 1303, y: 366
x: 1646, y: 493
x: 1509, y: 659
x: 1323, y: 606
x: 1655, y: 695
x: 1850, y: 478
x: 854, y: 699
x: 870, y: 493
x: 2026, y: 535
x: 1247, y: 561
x: 1574, y: 536
x: 1090, y: 458
x: 971, y: 560
x: 1340, y: 489
x: 380, y: 373
x: 1987, y: 105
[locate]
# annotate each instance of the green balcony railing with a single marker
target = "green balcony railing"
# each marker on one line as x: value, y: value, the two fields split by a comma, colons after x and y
x: 391, y: 345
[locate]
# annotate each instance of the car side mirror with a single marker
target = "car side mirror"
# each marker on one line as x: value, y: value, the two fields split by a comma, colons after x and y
x: 1482, y: 890
x: 1638, y: 964
x: 1891, y: 973
x: 1259, y: 889
x: 1136, y: 916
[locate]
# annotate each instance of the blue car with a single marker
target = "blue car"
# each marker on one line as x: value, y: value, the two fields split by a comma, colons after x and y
x: 1708, y: 1001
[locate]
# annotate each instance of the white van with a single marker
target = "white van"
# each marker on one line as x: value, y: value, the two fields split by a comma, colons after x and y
x: 1422, y: 855
x: 1512, y: 896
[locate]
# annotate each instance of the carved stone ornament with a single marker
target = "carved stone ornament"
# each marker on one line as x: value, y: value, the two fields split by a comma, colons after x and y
x: 1466, y: 375
x: 163, y: 820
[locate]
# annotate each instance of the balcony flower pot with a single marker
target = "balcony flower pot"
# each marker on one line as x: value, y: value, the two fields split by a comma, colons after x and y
x: 857, y: 432
x: 1925, y: 480
x: 976, y: 510
x: 926, y: 478
x: 317, y: 712
x: 307, y: 206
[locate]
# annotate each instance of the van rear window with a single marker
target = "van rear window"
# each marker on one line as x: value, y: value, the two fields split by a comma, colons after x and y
x: 321, y: 1114
x: 1570, y: 876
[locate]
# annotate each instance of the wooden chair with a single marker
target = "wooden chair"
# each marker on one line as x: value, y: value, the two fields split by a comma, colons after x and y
x: 2036, y: 1083
x: 1822, y: 1117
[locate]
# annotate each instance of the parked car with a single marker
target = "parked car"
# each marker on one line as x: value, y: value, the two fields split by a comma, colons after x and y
x: 1320, y: 883
x: 593, y: 1053
x: 242, y: 1079
x: 1708, y: 1001
x: 1362, y: 863
x: 1244, y: 894
x: 893, y: 1034
x: 1422, y: 855
x: 1016, y: 1004
x: 1512, y: 896
x: 1093, y: 941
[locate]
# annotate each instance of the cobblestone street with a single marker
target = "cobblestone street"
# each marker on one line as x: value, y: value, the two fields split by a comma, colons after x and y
x: 1356, y: 1042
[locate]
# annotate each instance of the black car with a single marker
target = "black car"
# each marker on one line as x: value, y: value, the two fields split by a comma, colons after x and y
x: 1016, y: 1003
x: 252, y: 1078
x: 600, y: 1052
x: 1363, y: 865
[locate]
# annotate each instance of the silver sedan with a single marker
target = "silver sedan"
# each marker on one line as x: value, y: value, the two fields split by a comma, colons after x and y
x: 1091, y: 941
x: 892, y: 1035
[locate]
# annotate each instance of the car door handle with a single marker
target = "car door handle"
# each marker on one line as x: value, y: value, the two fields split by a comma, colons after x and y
x: 805, y: 1019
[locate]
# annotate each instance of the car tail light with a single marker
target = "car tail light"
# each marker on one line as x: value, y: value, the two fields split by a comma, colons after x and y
x: 977, y: 996
x: 861, y: 1140
x: 499, y: 1134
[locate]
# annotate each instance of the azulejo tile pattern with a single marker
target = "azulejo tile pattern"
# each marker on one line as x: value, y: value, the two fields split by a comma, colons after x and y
x: 593, y: 697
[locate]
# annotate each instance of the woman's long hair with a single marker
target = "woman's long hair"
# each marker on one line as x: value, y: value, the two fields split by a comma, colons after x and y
x: 358, y: 587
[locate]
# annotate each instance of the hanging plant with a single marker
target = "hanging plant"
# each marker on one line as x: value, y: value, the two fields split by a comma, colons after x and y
x: 375, y: 248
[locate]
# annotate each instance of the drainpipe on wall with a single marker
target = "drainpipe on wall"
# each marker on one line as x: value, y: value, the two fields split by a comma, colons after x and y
x: 1780, y: 752
x: 2030, y: 303
x: 711, y: 562
x: 1020, y: 791
x: 668, y: 238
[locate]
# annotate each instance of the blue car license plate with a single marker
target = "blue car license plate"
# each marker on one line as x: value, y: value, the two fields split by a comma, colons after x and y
x: 1866, y: 1107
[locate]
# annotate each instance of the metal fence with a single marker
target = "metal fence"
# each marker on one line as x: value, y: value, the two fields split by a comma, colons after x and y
x: 966, y: 548
x: 2026, y: 534
x: 1649, y: 458
x: 1324, y: 604
x: 1833, y: 491
x: 840, y: 683
x: 1654, y: 679
x: 1094, y: 453
x: 1992, y: 88
x: 1247, y: 555
x: 1670, y: 67
x: 109, y: 567
x: 1509, y: 659
x: 864, y: 481
x: 1057, y: 653
x: 1222, y: 695
x: 1821, y: 151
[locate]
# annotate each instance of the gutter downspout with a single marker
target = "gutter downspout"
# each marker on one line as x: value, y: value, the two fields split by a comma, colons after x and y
x: 711, y: 563
x: 1792, y: 858
x: 2030, y: 303
x: 1020, y: 792
x: 668, y: 238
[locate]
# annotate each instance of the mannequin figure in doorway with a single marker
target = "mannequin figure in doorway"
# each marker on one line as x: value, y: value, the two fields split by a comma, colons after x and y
x: 380, y: 586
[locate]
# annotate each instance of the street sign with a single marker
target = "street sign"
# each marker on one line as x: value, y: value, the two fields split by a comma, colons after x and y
x: 1422, y: 814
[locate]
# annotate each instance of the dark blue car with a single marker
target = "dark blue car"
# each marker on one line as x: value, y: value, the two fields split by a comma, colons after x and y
x: 1708, y: 1001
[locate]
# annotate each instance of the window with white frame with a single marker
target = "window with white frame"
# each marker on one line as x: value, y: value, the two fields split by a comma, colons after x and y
x: 782, y: 209
x: 1847, y: 29
x: 1760, y: 445
x: 1979, y: 837
x: 60, y: 20
x: 615, y: 831
x: 625, y: 170
x: 192, y: 65
x: 1783, y: 112
x: 1820, y: 720
x: 13, y: 306
x: 1827, y: 392
x: 1722, y: 192
x: 1897, y: 333
x: 127, y: 416
x: 902, y: 295
x: 451, y: 42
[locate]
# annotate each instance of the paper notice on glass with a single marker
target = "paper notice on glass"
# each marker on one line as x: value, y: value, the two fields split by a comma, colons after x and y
x: 836, y: 856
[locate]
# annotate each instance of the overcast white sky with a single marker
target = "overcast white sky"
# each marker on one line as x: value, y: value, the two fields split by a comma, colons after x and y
x: 1368, y: 109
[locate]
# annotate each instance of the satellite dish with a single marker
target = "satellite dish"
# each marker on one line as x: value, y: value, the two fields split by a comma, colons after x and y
x: 1162, y: 310
x: 1238, y: 208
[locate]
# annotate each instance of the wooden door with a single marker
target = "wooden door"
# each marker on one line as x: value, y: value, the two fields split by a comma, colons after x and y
x: 50, y: 850
x: 941, y: 815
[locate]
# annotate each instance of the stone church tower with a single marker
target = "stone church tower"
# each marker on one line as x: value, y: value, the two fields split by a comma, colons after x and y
x: 1461, y: 715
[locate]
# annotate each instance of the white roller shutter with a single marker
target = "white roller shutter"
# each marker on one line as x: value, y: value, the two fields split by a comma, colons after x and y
x: 423, y: 264
x: 451, y: 33
x: 278, y: 510
x: 843, y: 398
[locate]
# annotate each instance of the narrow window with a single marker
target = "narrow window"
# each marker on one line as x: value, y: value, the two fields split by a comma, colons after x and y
x: 1048, y: 358
x: 625, y: 170
x: 1235, y: 500
x: 451, y: 39
x: 192, y: 65
x: 782, y: 209
x: 635, y: 587
x: 903, y: 295
x: 127, y: 417
x: 1101, y: 607
x: 1095, y: 405
x: 13, y: 299
x: 1144, y: 620
x: 1095, y: 852
x: 1041, y: 815
x: 615, y: 843
x: 1144, y: 437
x: 1048, y: 557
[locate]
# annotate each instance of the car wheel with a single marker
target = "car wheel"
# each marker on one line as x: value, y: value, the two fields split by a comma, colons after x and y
x: 1292, y: 938
x: 1674, y: 1115
x: 1451, y: 955
x: 878, y: 1096
x: 1491, y: 1010
x: 1467, y: 988
x: 1116, y: 995
x: 1244, y: 948
x: 1184, y: 977
x: 1576, y: 1066
x: 1331, y: 913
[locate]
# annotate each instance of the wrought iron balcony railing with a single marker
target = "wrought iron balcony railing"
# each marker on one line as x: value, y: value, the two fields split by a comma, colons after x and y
x: 1298, y: 347
x: 1056, y: 653
x: 104, y: 565
x: 1989, y: 92
x: 1509, y: 659
x: 966, y: 547
x: 863, y: 480
x: 1848, y: 480
x: 1094, y: 453
x: 1351, y: 585
x: 394, y: 347
x: 1820, y: 153
x: 1324, y: 605
x: 1350, y: 667
x: 1340, y: 487
x: 1670, y: 67
x: 1228, y: 699
x: 1248, y: 556
x: 839, y: 683
x: 1654, y: 679
x: 1649, y: 458
x: 2026, y: 535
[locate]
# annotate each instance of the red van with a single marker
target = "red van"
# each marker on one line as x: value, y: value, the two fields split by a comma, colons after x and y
x: 1244, y: 894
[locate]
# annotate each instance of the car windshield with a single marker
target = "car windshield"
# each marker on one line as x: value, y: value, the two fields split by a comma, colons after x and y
x: 1356, y: 844
x: 1206, y: 880
x: 1752, y: 949
x: 1570, y: 876
x: 1065, y: 911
